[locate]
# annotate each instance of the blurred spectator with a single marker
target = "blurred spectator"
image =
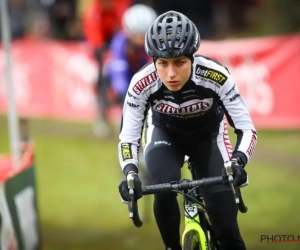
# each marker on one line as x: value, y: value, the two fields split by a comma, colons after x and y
x: 74, y: 30
x: 61, y: 13
x: 101, y: 20
x: 41, y: 27
x: 127, y: 48
x: 127, y: 56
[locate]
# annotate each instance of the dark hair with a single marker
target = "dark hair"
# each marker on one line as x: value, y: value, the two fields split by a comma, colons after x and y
x: 172, y: 35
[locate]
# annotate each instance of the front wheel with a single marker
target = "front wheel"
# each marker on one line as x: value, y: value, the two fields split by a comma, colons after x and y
x: 191, y: 241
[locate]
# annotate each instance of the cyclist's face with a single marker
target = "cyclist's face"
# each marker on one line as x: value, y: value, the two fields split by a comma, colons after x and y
x: 174, y: 72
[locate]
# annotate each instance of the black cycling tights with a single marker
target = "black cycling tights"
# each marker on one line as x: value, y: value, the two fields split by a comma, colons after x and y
x: 164, y: 164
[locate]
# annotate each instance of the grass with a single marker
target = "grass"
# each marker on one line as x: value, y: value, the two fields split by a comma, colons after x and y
x: 79, y: 205
x: 280, y: 142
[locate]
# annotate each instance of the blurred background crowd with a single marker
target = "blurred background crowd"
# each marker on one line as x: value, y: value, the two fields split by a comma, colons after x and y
x: 99, y: 25
x: 216, y: 19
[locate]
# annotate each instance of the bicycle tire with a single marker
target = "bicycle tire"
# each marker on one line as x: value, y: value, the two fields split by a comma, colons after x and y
x: 191, y: 241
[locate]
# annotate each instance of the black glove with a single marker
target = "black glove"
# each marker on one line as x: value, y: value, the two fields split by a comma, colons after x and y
x: 124, y: 191
x: 239, y: 174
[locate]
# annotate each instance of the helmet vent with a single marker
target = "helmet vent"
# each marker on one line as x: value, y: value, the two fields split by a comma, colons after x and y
x: 169, y: 20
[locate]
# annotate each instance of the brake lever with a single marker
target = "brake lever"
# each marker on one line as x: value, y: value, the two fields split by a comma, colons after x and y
x: 132, y: 204
x: 229, y: 173
x: 130, y: 185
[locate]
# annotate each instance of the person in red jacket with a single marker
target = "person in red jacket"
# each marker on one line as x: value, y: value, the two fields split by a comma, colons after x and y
x: 100, y: 22
x: 101, y: 19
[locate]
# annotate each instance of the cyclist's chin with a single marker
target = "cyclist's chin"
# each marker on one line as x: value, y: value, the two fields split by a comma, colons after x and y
x: 175, y: 87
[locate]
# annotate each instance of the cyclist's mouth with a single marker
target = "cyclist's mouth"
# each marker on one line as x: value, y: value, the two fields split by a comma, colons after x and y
x: 173, y: 83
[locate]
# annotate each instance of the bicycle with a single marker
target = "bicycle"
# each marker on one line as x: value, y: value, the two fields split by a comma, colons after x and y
x: 197, y: 234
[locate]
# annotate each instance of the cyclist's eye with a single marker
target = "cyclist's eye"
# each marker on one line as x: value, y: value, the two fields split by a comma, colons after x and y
x: 162, y: 63
x: 179, y: 63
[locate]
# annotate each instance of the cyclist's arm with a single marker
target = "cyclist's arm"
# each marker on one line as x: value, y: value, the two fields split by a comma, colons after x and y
x: 134, y: 112
x: 239, y: 118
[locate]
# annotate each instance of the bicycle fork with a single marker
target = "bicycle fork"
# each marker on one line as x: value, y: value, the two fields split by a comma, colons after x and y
x: 192, y: 221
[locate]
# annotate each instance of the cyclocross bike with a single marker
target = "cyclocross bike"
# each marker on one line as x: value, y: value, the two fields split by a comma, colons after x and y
x: 197, y: 234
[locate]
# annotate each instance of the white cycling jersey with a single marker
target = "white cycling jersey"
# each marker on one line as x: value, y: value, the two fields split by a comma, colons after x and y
x: 198, y: 108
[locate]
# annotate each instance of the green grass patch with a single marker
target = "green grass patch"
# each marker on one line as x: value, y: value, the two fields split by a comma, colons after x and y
x: 80, y: 208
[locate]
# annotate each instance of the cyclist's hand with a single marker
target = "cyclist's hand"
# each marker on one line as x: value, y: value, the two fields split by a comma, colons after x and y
x: 124, y: 191
x: 240, y: 177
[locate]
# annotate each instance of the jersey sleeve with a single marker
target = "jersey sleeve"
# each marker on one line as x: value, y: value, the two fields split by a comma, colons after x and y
x: 239, y: 118
x: 134, y: 113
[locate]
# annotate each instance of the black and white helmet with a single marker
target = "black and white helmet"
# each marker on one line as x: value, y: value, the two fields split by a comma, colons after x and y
x: 172, y: 35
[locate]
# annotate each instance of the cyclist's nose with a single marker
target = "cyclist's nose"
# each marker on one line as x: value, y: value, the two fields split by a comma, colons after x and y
x: 171, y: 73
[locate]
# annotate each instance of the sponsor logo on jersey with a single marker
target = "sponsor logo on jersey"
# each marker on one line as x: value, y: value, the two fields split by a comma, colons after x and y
x: 169, y: 97
x: 210, y: 74
x: 190, y: 107
x: 233, y: 88
x: 132, y: 96
x: 132, y: 104
x: 190, y: 96
x: 144, y: 82
x: 234, y: 97
x: 188, y: 91
x: 126, y: 151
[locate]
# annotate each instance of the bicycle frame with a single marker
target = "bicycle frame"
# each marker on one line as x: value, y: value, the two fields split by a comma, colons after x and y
x: 194, y: 216
x: 193, y: 222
